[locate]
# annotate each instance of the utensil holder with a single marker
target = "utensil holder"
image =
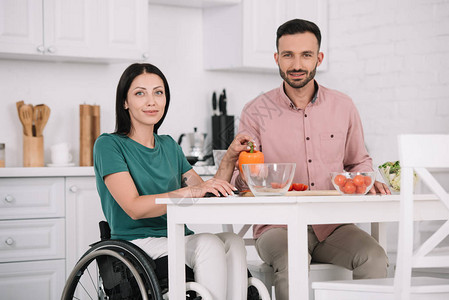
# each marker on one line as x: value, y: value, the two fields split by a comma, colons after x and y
x: 33, y: 151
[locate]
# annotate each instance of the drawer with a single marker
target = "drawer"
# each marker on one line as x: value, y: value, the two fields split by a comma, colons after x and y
x: 32, y: 280
x: 32, y: 240
x: 23, y: 198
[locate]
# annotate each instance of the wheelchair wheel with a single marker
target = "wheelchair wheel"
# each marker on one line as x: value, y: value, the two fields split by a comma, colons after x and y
x: 114, y: 270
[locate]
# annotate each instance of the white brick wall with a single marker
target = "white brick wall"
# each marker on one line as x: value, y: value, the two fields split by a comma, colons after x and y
x: 392, y: 58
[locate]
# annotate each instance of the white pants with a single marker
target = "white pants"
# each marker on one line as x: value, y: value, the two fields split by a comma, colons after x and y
x: 218, y: 261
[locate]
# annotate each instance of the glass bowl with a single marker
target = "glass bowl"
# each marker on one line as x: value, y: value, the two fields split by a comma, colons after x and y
x: 350, y: 183
x: 392, y: 178
x: 269, y: 179
x: 393, y: 181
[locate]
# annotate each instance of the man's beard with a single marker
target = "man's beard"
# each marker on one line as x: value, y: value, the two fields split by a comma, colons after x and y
x: 298, y: 84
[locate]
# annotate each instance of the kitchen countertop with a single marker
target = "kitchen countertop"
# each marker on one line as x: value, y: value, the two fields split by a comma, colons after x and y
x: 89, y: 171
x: 76, y: 171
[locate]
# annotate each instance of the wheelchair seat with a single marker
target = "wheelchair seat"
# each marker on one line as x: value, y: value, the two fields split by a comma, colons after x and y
x: 120, y: 270
x: 160, y: 265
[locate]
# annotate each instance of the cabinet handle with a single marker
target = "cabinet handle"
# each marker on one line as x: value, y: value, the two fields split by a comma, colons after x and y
x: 74, y: 189
x: 51, y: 49
x: 40, y: 48
x: 9, y: 198
x: 9, y: 241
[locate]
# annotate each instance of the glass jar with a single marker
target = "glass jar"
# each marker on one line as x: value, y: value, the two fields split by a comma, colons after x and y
x: 2, y: 155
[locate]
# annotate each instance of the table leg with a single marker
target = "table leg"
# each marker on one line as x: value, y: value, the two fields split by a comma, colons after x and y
x: 176, y: 261
x: 298, y: 262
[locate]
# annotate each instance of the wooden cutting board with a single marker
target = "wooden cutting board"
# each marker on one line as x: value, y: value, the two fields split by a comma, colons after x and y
x: 302, y: 193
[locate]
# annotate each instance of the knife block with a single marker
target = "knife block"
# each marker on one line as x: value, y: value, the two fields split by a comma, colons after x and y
x: 222, y: 132
x: 33, y: 151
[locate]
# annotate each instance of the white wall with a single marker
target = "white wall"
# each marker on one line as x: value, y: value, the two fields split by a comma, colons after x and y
x: 392, y: 57
x: 175, y: 47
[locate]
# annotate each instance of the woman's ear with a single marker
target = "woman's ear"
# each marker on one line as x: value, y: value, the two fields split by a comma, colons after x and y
x: 125, y: 105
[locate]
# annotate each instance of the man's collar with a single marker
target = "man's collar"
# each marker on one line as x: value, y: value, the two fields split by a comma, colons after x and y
x: 315, y: 94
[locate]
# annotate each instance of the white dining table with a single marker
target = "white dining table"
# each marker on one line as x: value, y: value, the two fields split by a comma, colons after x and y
x: 295, y: 211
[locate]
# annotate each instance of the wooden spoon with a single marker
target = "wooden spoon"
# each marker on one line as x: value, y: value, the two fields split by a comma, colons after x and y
x: 26, y: 117
x: 41, y: 115
x: 18, y: 105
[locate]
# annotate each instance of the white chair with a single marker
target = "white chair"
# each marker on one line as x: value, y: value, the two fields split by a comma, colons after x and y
x: 265, y: 273
x: 416, y: 153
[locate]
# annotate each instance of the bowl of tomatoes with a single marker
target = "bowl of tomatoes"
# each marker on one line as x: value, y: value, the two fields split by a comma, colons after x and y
x: 353, y: 183
x: 269, y: 179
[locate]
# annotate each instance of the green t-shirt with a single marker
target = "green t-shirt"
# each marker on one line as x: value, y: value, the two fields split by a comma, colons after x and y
x: 154, y: 171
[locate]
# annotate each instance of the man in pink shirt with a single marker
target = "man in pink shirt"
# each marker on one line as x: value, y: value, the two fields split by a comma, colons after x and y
x: 320, y: 130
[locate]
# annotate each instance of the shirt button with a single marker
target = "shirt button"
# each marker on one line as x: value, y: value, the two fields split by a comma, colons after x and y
x: 312, y: 184
x: 307, y: 138
x: 305, y: 115
x: 332, y: 135
x: 310, y: 160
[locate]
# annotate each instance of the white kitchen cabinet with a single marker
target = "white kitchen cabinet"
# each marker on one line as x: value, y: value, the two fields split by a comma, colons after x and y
x: 37, y: 239
x: 84, y: 30
x: 123, y: 29
x: 28, y: 198
x: 21, y: 28
x: 48, y: 219
x: 32, y: 280
x: 83, y: 213
x: 195, y: 3
x: 243, y: 36
x: 32, y: 234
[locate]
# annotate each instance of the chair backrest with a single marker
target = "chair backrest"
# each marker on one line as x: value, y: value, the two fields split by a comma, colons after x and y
x: 248, y: 241
x: 416, y: 154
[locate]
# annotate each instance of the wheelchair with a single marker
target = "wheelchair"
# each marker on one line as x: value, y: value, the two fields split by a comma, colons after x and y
x: 120, y: 270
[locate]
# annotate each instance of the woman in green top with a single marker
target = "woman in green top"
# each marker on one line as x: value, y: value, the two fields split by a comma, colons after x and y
x: 134, y: 166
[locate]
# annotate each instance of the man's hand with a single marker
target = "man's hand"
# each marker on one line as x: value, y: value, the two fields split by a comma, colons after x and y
x: 379, y: 188
x: 230, y: 159
x: 239, y: 144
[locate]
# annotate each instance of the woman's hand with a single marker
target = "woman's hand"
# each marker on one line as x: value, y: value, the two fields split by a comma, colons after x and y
x: 214, y: 186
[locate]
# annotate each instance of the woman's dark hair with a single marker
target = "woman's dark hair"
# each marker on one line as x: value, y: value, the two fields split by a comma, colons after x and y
x: 122, y: 118
x: 298, y: 26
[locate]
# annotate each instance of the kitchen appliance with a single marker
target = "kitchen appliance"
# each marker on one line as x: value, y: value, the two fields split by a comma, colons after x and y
x: 196, y: 145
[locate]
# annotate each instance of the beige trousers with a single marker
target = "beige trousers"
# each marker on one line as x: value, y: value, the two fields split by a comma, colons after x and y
x: 348, y: 246
x: 218, y: 261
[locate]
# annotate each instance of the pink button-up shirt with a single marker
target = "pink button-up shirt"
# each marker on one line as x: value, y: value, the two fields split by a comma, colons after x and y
x: 327, y: 136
